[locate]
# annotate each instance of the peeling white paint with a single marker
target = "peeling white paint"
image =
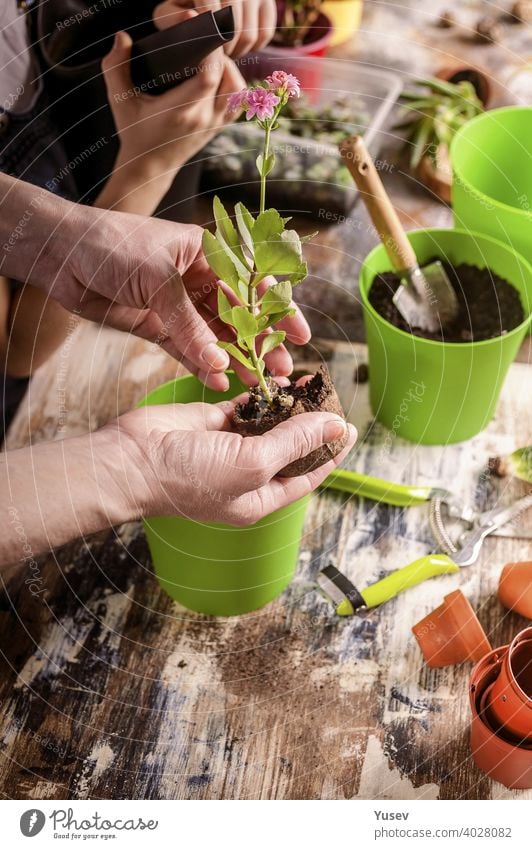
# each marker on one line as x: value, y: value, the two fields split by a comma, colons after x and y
x: 378, y: 781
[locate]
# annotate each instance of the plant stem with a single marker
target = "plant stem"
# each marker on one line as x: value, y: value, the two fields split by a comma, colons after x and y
x: 260, y: 375
x: 265, y: 155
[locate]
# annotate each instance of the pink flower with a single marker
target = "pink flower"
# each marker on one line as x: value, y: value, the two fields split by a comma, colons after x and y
x: 283, y: 83
x: 237, y: 101
x: 260, y: 103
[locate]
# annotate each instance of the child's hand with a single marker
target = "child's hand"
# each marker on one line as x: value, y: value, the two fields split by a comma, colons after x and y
x: 159, y: 134
x: 254, y: 20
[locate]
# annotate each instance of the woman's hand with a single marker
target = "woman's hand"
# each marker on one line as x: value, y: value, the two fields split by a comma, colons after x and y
x: 158, y: 135
x: 255, y: 20
x: 183, y: 460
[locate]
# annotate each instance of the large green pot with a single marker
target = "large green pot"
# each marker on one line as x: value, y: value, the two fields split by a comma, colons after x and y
x: 436, y: 393
x: 219, y: 569
x: 491, y: 159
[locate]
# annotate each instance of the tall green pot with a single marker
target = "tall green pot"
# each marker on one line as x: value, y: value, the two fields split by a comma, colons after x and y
x: 491, y: 159
x: 436, y: 393
x: 214, y: 568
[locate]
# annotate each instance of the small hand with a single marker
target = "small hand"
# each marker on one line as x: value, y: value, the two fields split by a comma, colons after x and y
x: 255, y: 20
x: 159, y: 134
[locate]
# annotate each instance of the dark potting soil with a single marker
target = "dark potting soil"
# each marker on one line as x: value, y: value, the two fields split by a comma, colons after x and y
x: 489, y: 305
x: 256, y: 416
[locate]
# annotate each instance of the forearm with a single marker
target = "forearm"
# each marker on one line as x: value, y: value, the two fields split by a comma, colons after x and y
x: 53, y: 493
x: 136, y: 186
x: 36, y: 228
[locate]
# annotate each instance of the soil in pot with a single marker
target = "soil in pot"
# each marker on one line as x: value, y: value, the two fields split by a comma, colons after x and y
x: 489, y: 305
x: 318, y: 394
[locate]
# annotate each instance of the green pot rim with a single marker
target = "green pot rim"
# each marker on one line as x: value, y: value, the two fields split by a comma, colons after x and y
x: 142, y: 403
x: 471, y: 186
x: 434, y: 342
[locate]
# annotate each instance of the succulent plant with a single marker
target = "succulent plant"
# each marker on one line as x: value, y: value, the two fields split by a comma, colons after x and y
x: 294, y: 20
x: 436, y: 115
x: 518, y: 464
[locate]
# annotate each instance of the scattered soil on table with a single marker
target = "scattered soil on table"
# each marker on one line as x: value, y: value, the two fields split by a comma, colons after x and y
x: 361, y: 373
x: 489, y: 305
x: 256, y: 416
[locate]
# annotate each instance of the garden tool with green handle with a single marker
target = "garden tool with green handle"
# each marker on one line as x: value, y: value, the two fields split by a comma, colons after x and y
x: 348, y: 599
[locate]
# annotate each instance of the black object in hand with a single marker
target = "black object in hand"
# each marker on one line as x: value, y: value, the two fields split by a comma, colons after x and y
x: 167, y: 58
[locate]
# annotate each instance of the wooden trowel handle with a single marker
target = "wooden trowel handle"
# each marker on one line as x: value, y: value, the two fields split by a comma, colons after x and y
x: 357, y: 159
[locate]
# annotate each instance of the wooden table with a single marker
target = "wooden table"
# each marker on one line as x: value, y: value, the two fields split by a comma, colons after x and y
x: 110, y: 690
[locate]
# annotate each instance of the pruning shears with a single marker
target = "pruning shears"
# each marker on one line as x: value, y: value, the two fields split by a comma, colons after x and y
x: 348, y: 599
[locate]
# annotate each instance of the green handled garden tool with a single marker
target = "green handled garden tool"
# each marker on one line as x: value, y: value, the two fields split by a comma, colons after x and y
x: 348, y: 599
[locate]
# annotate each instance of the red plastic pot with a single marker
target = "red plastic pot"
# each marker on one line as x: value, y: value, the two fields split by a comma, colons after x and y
x: 508, y: 704
x: 498, y: 757
x: 515, y: 587
x: 451, y: 633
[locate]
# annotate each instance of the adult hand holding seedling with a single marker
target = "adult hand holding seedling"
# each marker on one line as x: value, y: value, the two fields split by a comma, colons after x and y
x: 177, y: 459
x: 184, y: 459
x: 140, y: 275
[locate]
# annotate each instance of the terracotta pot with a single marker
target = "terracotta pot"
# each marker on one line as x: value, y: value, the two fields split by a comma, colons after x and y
x: 476, y: 76
x: 515, y: 587
x: 508, y: 706
x: 451, y: 633
x: 493, y: 754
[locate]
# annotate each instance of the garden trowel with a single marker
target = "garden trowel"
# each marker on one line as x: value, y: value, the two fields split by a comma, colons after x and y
x: 425, y: 298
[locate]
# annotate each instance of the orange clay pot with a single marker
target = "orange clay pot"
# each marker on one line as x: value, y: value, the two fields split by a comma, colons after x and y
x: 451, y: 633
x: 493, y: 754
x: 515, y: 587
x: 508, y: 704
x: 479, y: 79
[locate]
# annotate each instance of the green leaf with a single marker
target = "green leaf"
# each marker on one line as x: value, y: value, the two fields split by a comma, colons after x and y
x: 276, y: 298
x: 265, y: 167
x: 244, y: 323
x: 229, y: 239
x: 271, y: 341
x: 280, y: 254
x: 224, y: 223
x: 235, y: 352
x: 245, y: 222
x: 224, y: 307
x: 219, y: 261
x: 421, y: 144
x: 269, y: 320
x: 267, y: 225
x: 235, y: 255
x: 297, y: 277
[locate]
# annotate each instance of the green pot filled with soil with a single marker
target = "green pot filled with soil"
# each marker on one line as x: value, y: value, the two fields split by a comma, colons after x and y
x: 439, y: 388
x: 218, y: 569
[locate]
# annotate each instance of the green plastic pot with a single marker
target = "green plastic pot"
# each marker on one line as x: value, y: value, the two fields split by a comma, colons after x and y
x: 436, y: 393
x: 491, y: 158
x: 214, y: 568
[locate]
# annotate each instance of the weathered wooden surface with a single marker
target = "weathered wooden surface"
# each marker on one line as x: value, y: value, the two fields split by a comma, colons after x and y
x: 111, y: 690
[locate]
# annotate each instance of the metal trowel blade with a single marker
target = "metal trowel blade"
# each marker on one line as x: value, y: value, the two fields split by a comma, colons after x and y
x: 426, y: 298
